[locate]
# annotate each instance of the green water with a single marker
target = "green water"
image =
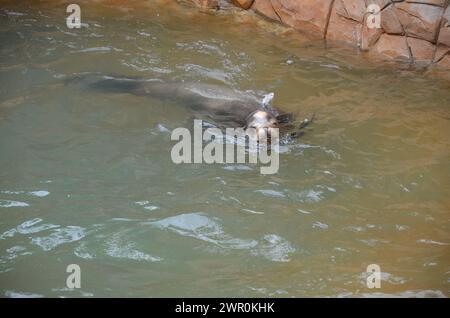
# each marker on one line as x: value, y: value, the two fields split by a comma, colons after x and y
x: 86, y: 177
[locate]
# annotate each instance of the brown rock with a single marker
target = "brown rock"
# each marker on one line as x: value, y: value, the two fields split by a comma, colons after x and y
x: 381, y: 3
x: 445, y: 62
x: 422, y: 50
x: 393, y: 46
x: 390, y: 22
x: 306, y: 15
x: 441, y: 3
x: 206, y: 3
x: 343, y: 29
x: 446, y: 15
x: 441, y: 51
x: 265, y: 8
x: 351, y: 9
x: 244, y: 4
x: 444, y: 33
x: 444, y: 36
x: 419, y: 20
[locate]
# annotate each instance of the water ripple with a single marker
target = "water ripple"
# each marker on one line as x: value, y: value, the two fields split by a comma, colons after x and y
x: 120, y: 249
x: 59, y: 236
x: 11, y: 204
x: 204, y: 228
x: 274, y: 248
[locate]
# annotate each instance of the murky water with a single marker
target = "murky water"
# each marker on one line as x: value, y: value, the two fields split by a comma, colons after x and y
x: 86, y: 177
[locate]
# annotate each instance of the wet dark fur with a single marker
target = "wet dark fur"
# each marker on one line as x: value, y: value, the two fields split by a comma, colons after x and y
x: 225, y: 107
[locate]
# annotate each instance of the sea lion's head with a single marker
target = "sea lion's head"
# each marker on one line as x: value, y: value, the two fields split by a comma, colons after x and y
x: 264, y: 122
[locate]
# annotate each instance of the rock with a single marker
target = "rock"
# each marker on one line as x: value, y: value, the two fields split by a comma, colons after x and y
x: 393, y: 46
x: 343, y: 29
x: 306, y: 15
x: 265, y: 8
x: 351, y: 9
x: 419, y: 20
x: 445, y: 62
x: 206, y: 3
x: 244, y: 4
x: 421, y: 50
x: 417, y: 30
x: 446, y: 15
x: 441, y: 51
x: 444, y: 36
x: 390, y: 22
x: 441, y: 3
x: 444, y: 32
x: 381, y: 3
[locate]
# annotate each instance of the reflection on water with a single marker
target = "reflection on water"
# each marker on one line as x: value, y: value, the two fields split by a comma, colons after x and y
x: 86, y: 176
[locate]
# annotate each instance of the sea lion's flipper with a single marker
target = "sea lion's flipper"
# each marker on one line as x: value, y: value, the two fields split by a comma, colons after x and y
x: 307, y: 121
x: 298, y: 132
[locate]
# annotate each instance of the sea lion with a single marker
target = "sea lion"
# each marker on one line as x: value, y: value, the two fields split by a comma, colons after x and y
x: 224, y: 106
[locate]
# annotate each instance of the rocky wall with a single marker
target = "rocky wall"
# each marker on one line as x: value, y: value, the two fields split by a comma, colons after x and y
x: 414, y: 30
